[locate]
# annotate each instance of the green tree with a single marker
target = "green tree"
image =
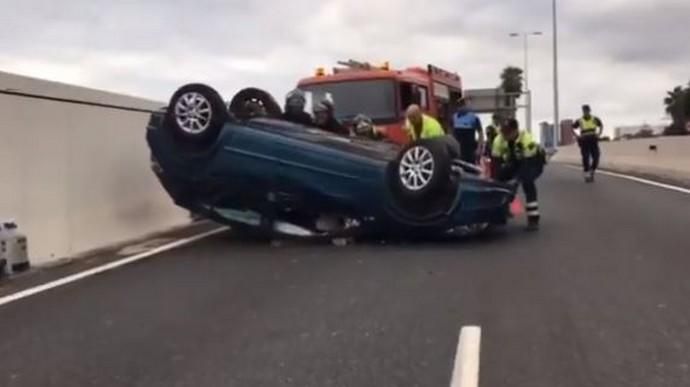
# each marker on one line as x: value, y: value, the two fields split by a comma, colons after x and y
x: 677, y: 105
x: 511, y: 82
x: 512, y: 79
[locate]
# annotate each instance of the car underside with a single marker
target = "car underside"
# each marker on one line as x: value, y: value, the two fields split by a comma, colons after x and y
x: 266, y: 176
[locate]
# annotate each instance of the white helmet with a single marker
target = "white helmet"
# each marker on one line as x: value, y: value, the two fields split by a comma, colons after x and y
x: 362, y: 124
x: 296, y: 99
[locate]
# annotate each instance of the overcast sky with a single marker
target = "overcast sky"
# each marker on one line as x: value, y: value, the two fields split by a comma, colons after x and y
x: 618, y: 55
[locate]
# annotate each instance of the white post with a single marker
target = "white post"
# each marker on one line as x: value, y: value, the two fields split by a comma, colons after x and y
x: 528, y: 111
x: 526, y: 66
x: 556, y: 119
x: 528, y: 97
x: 525, y: 71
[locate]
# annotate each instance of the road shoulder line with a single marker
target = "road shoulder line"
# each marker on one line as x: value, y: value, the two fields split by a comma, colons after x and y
x: 106, y: 267
x: 637, y: 179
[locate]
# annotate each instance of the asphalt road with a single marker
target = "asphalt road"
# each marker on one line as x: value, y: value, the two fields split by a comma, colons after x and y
x: 599, y: 297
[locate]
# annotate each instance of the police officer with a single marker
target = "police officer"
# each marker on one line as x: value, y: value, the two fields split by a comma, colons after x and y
x: 519, y: 158
x: 590, y: 129
x: 294, y: 108
x: 466, y: 128
x: 421, y: 126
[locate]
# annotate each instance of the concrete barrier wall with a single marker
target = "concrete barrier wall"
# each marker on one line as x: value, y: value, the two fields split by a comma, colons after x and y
x: 671, y: 159
x: 77, y: 177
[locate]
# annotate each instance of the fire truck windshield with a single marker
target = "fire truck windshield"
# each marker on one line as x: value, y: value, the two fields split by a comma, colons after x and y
x: 374, y: 98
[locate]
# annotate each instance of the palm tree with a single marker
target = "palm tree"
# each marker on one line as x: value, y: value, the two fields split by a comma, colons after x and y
x: 511, y: 79
x: 511, y: 83
x: 677, y: 103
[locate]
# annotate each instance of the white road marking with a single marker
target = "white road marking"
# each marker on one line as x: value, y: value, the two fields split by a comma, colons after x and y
x: 466, y: 368
x: 109, y: 266
x: 639, y: 180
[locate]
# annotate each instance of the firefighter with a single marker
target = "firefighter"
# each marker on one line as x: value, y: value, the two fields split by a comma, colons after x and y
x: 294, y: 108
x: 590, y: 129
x: 324, y: 118
x: 363, y: 126
x: 466, y: 128
x: 520, y: 159
x: 421, y: 126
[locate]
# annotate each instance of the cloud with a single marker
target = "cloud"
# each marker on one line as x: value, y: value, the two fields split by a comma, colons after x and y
x: 653, y: 33
x: 618, y: 55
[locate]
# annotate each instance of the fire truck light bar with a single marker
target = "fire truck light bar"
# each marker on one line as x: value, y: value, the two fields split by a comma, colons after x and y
x: 438, y: 72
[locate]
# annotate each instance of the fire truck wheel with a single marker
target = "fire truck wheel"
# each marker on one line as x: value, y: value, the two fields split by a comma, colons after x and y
x: 252, y: 102
x: 196, y: 114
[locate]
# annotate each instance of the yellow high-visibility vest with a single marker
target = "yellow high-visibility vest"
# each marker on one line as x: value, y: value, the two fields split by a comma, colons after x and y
x: 430, y: 128
x: 525, y: 147
x: 588, y: 126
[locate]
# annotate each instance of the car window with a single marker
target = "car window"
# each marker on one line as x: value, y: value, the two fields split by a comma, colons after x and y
x: 423, y: 97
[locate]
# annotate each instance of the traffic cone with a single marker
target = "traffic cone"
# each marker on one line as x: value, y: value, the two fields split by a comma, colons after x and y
x: 516, y: 207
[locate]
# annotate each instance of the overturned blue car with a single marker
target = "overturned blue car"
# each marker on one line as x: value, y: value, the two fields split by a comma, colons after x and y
x: 268, y: 176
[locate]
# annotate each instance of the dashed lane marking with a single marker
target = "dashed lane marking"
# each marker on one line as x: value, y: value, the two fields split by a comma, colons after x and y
x: 466, y: 367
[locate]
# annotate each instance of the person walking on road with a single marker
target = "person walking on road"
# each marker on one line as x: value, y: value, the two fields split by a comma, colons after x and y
x: 591, y: 129
x: 421, y: 126
x: 520, y: 159
x: 466, y: 129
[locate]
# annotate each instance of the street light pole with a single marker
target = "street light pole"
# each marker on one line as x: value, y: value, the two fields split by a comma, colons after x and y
x: 525, y: 68
x: 556, y: 118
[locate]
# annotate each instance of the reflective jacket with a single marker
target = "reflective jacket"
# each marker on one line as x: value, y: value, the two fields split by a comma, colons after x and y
x: 430, y: 128
x: 523, y: 147
x: 588, y: 126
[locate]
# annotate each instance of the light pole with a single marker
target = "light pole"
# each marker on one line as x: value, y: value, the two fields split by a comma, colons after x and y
x: 556, y: 119
x: 525, y: 68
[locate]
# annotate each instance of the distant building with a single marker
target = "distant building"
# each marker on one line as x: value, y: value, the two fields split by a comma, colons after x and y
x: 566, y: 137
x: 547, y: 135
x: 629, y: 131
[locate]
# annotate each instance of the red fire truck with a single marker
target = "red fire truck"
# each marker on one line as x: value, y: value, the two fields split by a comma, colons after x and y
x: 383, y: 93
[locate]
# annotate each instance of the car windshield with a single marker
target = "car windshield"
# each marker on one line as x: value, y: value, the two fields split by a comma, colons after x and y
x: 374, y: 98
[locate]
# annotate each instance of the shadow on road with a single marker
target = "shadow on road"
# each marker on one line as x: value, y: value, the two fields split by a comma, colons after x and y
x: 493, y: 236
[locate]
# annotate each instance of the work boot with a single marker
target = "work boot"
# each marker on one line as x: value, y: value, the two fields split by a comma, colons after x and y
x: 532, y: 223
x: 588, y: 177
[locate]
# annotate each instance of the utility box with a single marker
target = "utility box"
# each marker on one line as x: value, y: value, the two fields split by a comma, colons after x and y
x: 14, y: 255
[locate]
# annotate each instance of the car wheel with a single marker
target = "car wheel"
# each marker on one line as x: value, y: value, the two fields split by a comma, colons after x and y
x: 422, y: 169
x: 252, y: 102
x: 196, y: 113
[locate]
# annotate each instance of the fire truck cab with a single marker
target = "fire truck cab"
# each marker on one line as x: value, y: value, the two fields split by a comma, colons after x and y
x: 383, y: 94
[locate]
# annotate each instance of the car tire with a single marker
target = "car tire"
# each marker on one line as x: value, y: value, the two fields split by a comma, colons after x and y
x: 421, y: 170
x: 196, y: 114
x: 242, y: 104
